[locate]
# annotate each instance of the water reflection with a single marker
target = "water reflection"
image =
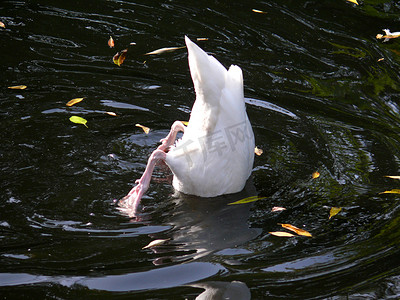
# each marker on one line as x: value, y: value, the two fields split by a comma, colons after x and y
x: 166, y: 277
x: 196, y: 227
x: 218, y: 290
x: 206, y: 225
x: 201, y: 226
x: 332, y: 107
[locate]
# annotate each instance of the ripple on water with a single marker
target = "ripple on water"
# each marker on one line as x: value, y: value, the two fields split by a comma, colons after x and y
x: 318, y: 100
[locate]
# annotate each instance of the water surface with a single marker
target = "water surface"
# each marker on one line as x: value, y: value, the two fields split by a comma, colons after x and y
x: 319, y: 97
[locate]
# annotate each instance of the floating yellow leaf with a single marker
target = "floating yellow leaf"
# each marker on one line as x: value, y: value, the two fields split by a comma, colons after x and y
x: 18, y: 87
x: 111, y: 42
x: 334, y: 211
x: 258, y: 151
x: 202, y: 39
x: 258, y: 11
x: 247, y: 200
x: 119, y: 58
x: 353, y: 1
x: 315, y: 175
x: 145, y: 129
x: 281, y: 233
x: 297, y: 230
x: 111, y: 113
x: 394, y: 191
x: 164, y: 50
x: 393, y: 177
x: 74, y: 101
x: 78, y: 120
x: 2, y: 25
x: 277, y: 208
x: 380, y: 59
x: 155, y: 243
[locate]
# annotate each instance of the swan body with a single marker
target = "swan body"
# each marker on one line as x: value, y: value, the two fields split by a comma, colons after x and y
x: 216, y: 152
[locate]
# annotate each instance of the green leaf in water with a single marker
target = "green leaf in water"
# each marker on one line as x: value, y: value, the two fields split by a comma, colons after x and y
x: 247, y: 200
x: 78, y: 120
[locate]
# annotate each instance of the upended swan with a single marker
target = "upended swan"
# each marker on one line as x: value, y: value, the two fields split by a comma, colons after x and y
x: 216, y: 152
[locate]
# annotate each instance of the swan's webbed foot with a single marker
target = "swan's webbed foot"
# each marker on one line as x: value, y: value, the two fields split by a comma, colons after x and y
x: 130, y: 202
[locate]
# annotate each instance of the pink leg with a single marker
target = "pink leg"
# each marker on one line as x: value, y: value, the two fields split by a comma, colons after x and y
x: 171, y: 137
x: 131, y: 201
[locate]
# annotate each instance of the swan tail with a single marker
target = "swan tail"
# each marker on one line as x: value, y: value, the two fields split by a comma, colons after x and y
x: 208, y: 74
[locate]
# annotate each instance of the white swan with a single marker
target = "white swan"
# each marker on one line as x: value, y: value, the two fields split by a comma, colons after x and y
x: 216, y: 152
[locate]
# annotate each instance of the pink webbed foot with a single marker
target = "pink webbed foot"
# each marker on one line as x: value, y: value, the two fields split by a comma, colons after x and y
x: 169, y: 140
x: 131, y: 201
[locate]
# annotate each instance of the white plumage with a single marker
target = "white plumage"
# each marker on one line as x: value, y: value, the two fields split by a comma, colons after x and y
x: 216, y: 152
x: 215, y: 155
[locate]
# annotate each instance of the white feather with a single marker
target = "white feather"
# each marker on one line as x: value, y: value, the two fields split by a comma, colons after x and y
x: 216, y: 152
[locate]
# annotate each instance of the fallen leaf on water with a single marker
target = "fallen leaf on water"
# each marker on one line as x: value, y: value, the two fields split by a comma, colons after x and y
x: 186, y: 123
x: 111, y: 42
x: 258, y: 151
x: 155, y: 243
x: 78, y: 120
x: 119, y: 58
x: 353, y: 1
x: 315, y: 175
x: 111, y: 113
x: 297, y: 230
x: 380, y: 59
x: 281, y: 233
x: 74, y: 101
x: 393, y: 177
x: 388, y: 35
x: 164, y: 50
x: 145, y: 129
x: 202, y: 39
x: 394, y: 191
x: 18, y: 87
x: 334, y: 211
x: 247, y: 200
x: 258, y: 11
x: 277, y: 208
x: 2, y: 25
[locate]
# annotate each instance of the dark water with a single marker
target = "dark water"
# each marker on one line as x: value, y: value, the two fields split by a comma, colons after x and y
x: 318, y: 99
